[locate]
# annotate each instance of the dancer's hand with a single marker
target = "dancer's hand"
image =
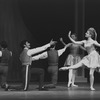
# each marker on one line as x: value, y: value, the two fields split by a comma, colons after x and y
x: 53, y: 42
x: 61, y: 39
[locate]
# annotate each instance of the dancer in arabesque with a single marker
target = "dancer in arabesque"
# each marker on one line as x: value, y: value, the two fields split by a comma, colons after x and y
x: 92, y: 60
x: 72, y: 58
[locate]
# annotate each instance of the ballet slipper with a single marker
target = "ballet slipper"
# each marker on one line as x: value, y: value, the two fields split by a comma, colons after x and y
x: 73, y: 85
x: 92, y: 88
x: 69, y: 85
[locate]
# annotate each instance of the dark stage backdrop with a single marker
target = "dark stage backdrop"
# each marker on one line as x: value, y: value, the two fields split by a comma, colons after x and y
x: 41, y: 20
x: 13, y: 30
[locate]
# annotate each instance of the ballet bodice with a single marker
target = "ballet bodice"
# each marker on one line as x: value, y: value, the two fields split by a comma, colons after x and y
x: 74, y: 49
x: 89, y: 46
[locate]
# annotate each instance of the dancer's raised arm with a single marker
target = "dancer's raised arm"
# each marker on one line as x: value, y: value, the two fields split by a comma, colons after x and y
x: 43, y: 55
x: 61, y: 39
x: 77, y: 42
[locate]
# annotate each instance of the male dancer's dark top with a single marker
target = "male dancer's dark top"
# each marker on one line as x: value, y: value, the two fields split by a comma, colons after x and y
x: 53, y: 57
x: 4, y: 62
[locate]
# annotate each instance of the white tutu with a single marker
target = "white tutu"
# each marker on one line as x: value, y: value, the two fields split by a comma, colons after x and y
x: 92, y: 60
x: 71, y: 60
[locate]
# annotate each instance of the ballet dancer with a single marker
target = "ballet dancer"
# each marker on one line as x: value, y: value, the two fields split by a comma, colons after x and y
x: 72, y: 59
x: 92, y: 60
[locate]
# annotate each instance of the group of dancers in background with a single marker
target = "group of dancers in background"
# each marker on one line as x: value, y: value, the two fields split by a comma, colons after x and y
x: 72, y: 62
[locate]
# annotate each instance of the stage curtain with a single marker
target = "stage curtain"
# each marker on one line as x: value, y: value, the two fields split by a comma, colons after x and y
x: 13, y: 30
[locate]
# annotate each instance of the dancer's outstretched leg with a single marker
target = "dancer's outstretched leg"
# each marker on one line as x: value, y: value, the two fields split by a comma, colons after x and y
x: 70, y: 74
x: 92, y: 78
x: 79, y: 64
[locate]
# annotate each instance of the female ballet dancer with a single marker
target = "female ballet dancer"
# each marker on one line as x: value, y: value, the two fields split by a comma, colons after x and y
x: 92, y: 60
x: 72, y: 59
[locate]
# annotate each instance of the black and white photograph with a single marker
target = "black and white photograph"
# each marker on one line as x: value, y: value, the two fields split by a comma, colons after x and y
x: 49, y: 49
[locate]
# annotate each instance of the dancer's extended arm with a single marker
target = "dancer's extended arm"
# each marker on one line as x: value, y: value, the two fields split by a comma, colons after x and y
x: 43, y: 55
x: 82, y: 48
x: 77, y: 42
x: 40, y: 49
x: 60, y: 51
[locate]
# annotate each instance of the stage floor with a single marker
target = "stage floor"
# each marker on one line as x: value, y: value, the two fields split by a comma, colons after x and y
x: 61, y: 92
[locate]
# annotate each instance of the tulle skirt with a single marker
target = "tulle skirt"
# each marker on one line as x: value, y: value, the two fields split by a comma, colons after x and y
x: 92, y: 60
x: 71, y: 60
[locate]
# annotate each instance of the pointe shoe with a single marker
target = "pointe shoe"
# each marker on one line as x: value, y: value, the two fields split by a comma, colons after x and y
x: 69, y: 85
x: 92, y: 88
x: 73, y: 85
x: 63, y: 68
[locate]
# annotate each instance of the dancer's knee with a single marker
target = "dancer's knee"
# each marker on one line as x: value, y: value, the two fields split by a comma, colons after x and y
x: 91, y: 72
